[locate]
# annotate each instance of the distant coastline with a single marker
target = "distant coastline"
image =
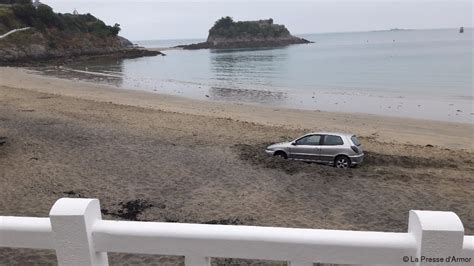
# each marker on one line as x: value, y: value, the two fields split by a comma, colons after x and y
x: 393, y: 29
x: 383, y: 30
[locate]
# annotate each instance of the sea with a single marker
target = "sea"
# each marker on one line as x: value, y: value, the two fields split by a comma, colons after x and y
x: 424, y: 74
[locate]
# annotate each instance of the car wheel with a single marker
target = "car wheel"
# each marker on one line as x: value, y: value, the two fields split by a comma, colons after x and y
x: 342, y: 162
x: 280, y: 154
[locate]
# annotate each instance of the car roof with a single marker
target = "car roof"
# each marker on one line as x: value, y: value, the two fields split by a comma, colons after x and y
x: 331, y: 133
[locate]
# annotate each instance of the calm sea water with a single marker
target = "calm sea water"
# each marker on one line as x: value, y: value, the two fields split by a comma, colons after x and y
x: 411, y: 73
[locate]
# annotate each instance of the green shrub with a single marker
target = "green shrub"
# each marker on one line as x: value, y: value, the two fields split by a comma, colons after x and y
x: 224, y: 23
x: 26, y: 13
x: 44, y: 17
x: 8, y: 20
x: 226, y: 27
x: 47, y: 17
x: 21, y: 2
x: 115, y: 29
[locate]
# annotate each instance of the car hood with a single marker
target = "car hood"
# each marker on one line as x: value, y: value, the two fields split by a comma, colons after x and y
x: 278, y: 145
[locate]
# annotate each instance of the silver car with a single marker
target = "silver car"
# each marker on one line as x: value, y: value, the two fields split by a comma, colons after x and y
x: 338, y: 149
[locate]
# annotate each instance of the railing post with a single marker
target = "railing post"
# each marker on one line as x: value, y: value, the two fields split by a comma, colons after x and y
x: 439, y: 235
x: 71, y: 222
x: 196, y: 261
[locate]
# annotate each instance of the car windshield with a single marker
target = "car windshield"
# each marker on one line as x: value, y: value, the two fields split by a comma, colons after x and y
x: 355, y: 140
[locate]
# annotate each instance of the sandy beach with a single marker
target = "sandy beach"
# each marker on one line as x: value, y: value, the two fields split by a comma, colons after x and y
x: 155, y: 157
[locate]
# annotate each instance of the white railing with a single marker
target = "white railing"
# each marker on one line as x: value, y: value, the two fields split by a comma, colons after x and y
x: 80, y: 237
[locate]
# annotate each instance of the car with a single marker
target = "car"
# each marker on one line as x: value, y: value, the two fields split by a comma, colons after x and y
x: 341, y: 150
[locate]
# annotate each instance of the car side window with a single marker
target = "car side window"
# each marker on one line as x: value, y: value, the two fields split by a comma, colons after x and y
x: 333, y: 140
x: 309, y: 140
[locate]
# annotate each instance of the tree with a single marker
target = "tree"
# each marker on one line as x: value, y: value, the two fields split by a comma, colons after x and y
x: 224, y: 23
x: 116, y: 29
x: 20, y: 2
x: 26, y: 13
x: 46, y: 16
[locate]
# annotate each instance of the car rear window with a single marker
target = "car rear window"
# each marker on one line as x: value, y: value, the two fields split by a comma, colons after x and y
x: 333, y: 140
x: 355, y: 140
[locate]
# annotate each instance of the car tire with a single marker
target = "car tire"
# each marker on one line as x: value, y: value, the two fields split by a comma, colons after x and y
x: 342, y: 162
x: 281, y: 154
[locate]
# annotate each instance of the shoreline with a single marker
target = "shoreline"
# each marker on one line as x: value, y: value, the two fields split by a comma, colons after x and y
x: 452, y: 135
x: 126, y: 53
x: 427, y: 101
x: 325, y: 97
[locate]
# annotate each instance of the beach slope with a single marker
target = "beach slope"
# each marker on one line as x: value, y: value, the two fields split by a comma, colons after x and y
x: 161, y: 158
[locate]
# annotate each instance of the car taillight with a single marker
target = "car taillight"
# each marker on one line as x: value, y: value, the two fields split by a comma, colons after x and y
x: 355, y: 149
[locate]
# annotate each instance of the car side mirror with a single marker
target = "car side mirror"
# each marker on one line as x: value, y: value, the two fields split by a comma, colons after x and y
x: 293, y: 143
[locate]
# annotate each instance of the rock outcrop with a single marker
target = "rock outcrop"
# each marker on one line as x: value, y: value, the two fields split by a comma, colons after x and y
x: 52, y: 36
x: 34, y: 46
x: 246, y: 34
x: 125, y: 42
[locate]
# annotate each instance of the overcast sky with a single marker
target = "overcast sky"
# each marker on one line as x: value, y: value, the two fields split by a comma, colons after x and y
x: 148, y: 20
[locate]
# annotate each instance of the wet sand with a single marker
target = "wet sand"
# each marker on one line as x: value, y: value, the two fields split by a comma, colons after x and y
x: 383, y: 128
x: 160, y: 158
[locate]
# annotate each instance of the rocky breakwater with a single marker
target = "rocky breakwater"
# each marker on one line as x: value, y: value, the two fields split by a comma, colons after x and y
x: 226, y: 33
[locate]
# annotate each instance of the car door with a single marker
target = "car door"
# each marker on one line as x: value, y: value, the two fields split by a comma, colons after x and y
x: 330, y: 147
x: 306, y: 148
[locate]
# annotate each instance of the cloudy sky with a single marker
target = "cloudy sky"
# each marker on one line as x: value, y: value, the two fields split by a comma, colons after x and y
x: 179, y: 19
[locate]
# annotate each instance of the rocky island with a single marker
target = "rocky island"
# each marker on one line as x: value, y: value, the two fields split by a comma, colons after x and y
x: 32, y: 32
x: 226, y: 33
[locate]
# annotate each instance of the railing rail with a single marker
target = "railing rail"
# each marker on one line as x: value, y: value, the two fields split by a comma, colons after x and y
x: 251, y: 242
x: 26, y: 232
x: 80, y: 237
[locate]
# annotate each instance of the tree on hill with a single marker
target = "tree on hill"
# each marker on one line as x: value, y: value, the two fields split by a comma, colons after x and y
x: 115, y: 29
x: 43, y: 17
x: 223, y: 23
x: 11, y: 2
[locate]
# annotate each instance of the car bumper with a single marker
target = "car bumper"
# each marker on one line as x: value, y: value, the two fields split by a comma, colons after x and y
x: 269, y: 152
x: 357, y: 159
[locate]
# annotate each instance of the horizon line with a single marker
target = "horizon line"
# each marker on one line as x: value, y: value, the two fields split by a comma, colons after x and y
x: 323, y: 32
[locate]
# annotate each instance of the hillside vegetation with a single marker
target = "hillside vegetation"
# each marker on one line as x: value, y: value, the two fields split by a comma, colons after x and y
x: 24, y: 14
x: 57, y: 36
